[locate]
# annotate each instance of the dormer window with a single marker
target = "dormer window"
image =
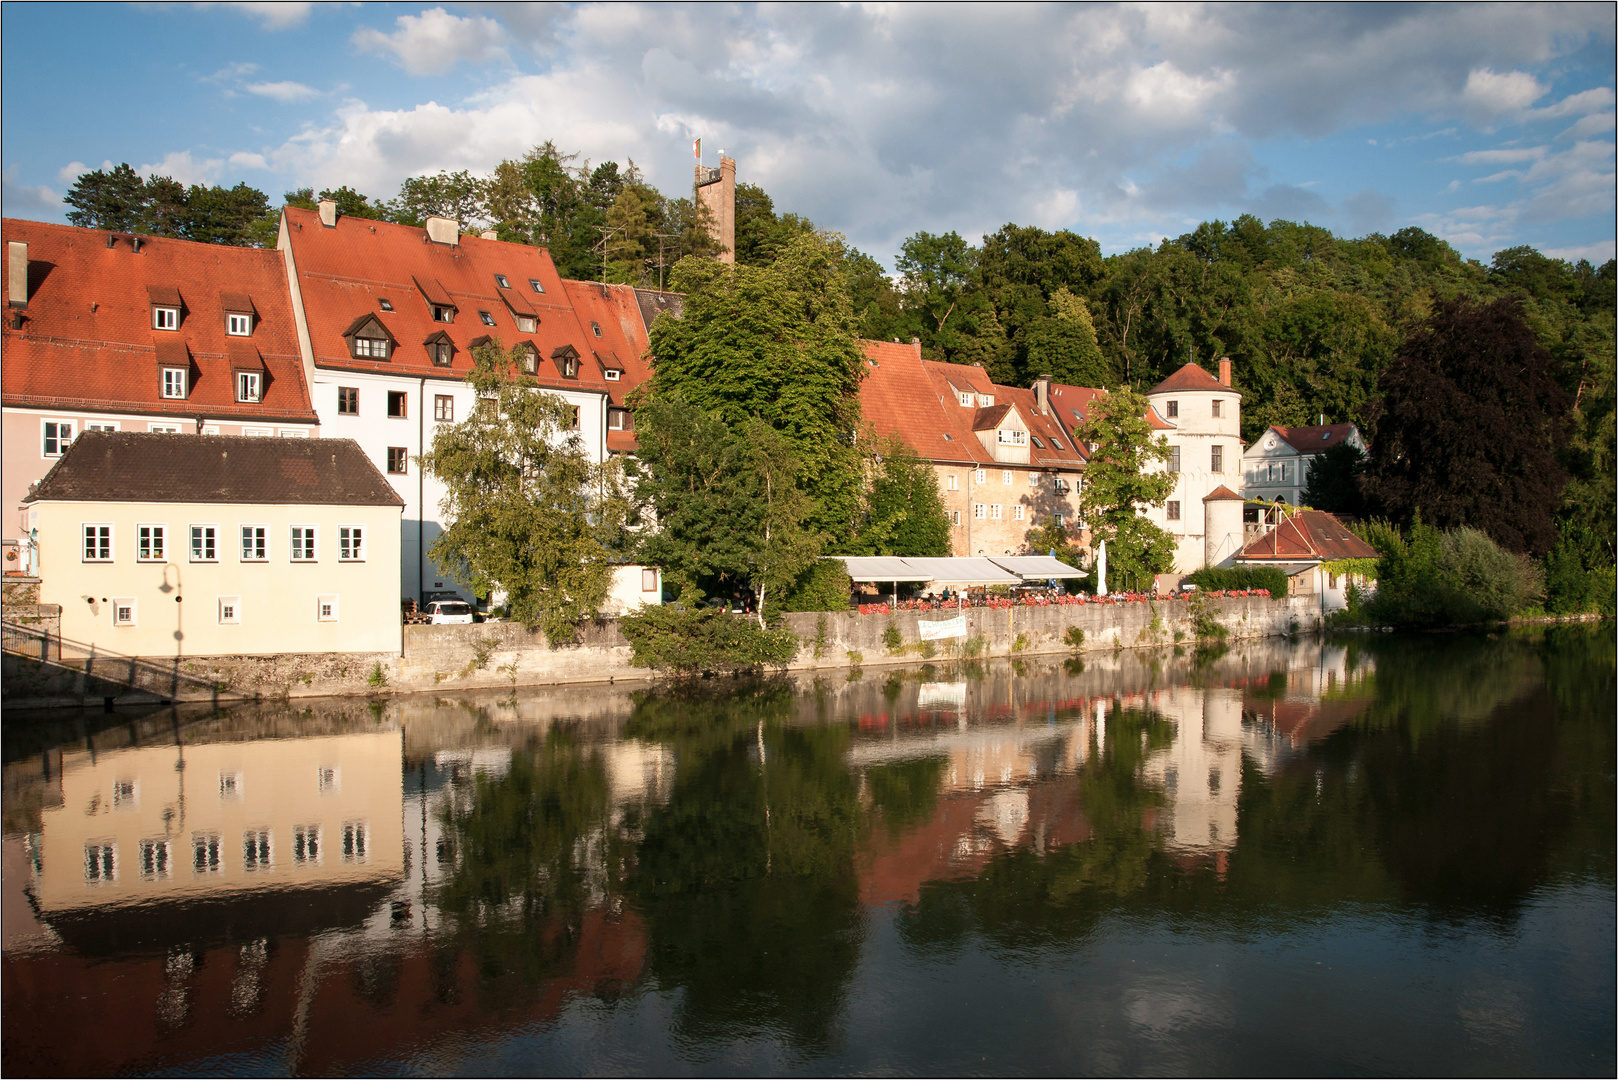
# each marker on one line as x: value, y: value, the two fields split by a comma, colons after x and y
x: 386, y: 305
x: 368, y: 339
x: 595, y: 328
x: 527, y: 324
x: 500, y: 280
x: 567, y: 361
x: 967, y: 400
x: 487, y: 319
x: 249, y: 386
x: 165, y: 318
x: 985, y: 400
x: 174, y: 380
x: 374, y: 348
x: 1011, y: 437
x: 238, y: 325
x: 443, y: 314
x: 441, y: 353
x: 613, y: 374
x: 536, y: 285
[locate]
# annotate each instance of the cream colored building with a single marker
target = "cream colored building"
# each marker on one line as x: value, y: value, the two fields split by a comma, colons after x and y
x: 1204, y: 418
x: 183, y: 545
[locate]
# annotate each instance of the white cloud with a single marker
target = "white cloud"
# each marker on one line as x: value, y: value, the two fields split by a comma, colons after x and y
x: 1489, y: 94
x: 1598, y: 252
x: 29, y: 200
x: 1594, y: 124
x: 435, y: 41
x: 284, y: 92
x: 70, y: 172
x: 282, y: 15
x: 181, y: 166
x: 246, y: 160
x: 1596, y: 100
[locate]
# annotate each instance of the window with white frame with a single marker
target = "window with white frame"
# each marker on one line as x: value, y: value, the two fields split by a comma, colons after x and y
x: 231, y: 788
x: 262, y: 432
x: 230, y: 610
x: 967, y: 400
x: 982, y: 476
x: 326, y: 608
x: 249, y: 385
x: 238, y: 325
x: 955, y: 518
x: 256, y: 849
x: 373, y: 348
x: 648, y: 580
x: 150, y: 543
x: 994, y: 512
x: 100, y: 862
x: 204, y: 543
x: 351, y: 543
x: 97, y: 542
x: 58, y: 436
x: 1059, y: 520
x: 174, y: 380
x: 123, y: 611
x: 356, y: 839
x: 207, y: 853
x: 985, y: 400
x: 613, y: 374
x: 1005, y: 476
x: 163, y: 429
x: 1033, y: 479
x: 210, y: 429
x: 303, y: 543
x: 954, y: 482
x: 305, y: 844
x: 156, y: 859
x: 1017, y: 512
x: 165, y: 318
x: 105, y: 425
x: 255, y: 543
x: 536, y: 285
x: 1011, y: 437
x: 980, y: 511
x: 294, y: 433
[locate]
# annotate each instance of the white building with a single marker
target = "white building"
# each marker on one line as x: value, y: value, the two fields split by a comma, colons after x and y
x: 1276, y: 466
x: 1201, y: 417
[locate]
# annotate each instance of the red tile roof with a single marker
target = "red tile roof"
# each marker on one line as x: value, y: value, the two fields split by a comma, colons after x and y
x: 346, y: 271
x: 621, y: 346
x: 1221, y: 494
x: 1305, y: 536
x: 1314, y: 438
x: 1072, y: 404
x: 87, y: 340
x: 1190, y: 377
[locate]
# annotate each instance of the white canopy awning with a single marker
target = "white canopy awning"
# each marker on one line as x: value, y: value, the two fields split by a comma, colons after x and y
x: 941, y: 571
x: 880, y: 568
x: 1036, y: 566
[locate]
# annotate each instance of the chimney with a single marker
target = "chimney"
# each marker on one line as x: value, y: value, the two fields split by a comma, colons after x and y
x: 17, y: 274
x: 1224, y: 370
x: 490, y: 234
x: 915, y: 343
x: 1042, y: 394
x: 442, y: 230
x: 328, y: 213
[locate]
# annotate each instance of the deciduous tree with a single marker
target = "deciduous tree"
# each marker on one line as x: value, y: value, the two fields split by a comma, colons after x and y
x: 1125, y: 476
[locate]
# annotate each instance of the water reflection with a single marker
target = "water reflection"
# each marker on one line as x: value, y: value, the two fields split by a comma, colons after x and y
x: 744, y: 877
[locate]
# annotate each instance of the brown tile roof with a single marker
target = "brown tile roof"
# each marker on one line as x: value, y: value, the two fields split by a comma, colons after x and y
x: 1221, y: 494
x: 621, y: 346
x: 87, y: 340
x: 1190, y: 377
x: 653, y: 303
x: 1314, y: 438
x: 987, y: 419
x: 345, y: 272
x: 130, y: 466
x: 1072, y: 405
x: 1304, y: 536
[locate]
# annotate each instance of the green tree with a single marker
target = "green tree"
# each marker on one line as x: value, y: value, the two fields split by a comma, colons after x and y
x: 113, y: 200
x: 350, y: 203
x: 459, y: 196
x: 1334, y: 481
x: 904, y: 512
x: 528, y: 512
x: 1063, y: 344
x: 1125, y: 476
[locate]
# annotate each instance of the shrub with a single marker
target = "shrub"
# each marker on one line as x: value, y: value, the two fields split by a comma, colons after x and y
x: 1433, y: 578
x: 1573, y: 585
x: 1225, y: 579
x: 687, y: 640
x: 378, y: 678
x: 825, y: 586
x: 891, y: 639
x: 1203, y: 623
x: 1074, y: 636
x: 1021, y: 643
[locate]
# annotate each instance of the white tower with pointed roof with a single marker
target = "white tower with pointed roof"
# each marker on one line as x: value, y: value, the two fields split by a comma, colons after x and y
x: 1202, y: 420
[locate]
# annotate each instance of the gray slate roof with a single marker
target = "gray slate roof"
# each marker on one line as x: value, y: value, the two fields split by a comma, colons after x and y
x: 130, y: 466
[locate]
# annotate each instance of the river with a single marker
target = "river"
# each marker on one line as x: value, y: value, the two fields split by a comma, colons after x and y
x: 1376, y: 854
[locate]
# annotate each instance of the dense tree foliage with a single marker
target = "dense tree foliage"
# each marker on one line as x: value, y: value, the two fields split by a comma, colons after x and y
x: 119, y: 200
x: 1126, y: 475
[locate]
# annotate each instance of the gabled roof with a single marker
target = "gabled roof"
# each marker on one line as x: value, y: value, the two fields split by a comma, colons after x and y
x: 987, y: 419
x: 1072, y: 404
x: 130, y: 466
x: 87, y: 341
x: 1308, y: 535
x: 345, y: 271
x: 1190, y: 377
x: 653, y: 303
x: 623, y: 344
x: 1314, y: 438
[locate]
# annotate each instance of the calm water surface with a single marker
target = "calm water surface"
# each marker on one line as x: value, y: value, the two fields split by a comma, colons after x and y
x: 1379, y: 855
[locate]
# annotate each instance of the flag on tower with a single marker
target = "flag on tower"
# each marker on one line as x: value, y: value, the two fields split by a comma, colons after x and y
x: 696, y: 149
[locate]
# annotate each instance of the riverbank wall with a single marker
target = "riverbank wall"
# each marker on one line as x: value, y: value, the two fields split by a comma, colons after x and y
x: 41, y: 673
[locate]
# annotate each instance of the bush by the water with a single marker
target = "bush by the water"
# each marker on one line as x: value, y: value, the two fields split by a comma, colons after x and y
x: 1229, y: 578
x: 1449, y: 578
x: 1576, y: 580
x: 687, y: 640
x: 825, y: 586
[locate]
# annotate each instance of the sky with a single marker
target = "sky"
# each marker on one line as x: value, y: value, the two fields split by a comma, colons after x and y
x: 1490, y: 126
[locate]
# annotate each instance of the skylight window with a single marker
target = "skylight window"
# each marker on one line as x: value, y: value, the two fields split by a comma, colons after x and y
x: 500, y: 280
x: 948, y: 437
x: 1056, y: 443
x: 537, y: 286
x: 595, y: 328
x: 387, y: 305
x: 488, y: 320
x: 1037, y: 442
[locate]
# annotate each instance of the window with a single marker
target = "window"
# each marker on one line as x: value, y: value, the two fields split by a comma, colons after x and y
x: 487, y: 319
x: 149, y: 546
x: 982, y: 476
x: 248, y: 384
x: 1174, y: 459
x: 595, y: 328
x: 174, y: 382
x: 441, y: 353
x: 1173, y: 409
x: 985, y: 400
x: 500, y: 280
x: 1033, y: 479
x: 570, y: 368
x: 980, y: 511
x: 574, y: 426
x: 98, y: 543
x: 398, y: 459
x: 948, y: 437
x: 488, y: 409
x: 537, y: 287
x: 303, y: 543
x: 1059, y: 519
x: 351, y: 543
x: 385, y: 304
x: 203, y: 547
x: 1061, y: 486
x: 230, y: 610
x: 530, y: 361
x: 255, y: 543
x: 1332, y: 581
x: 306, y: 844
x: 527, y: 324
x: 648, y: 580
x: 443, y: 314
x: 354, y: 841
x: 1174, y: 510
x: 165, y: 318
x: 618, y: 419
x: 262, y: 432
x: 955, y: 518
x: 372, y: 347
x: 238, y: 325
x: 112, y: 425
x: 256, y: 849
x: 966, y: 399
x: 1058, y: 444
x: 1005, y: 476
x: 1217, y: 464
x: 123, y: 611
x: 156, y: 859
x: 1017, y: 512
x: 1218, y: 406
x: 326, y: 608
x: 294, y: 433
x: 207, y: 854
x: 994, y: 512
x: 1036, y: 441
x: 328, y: 779
x: 165, y: 429
x: 443, y: 407
x: 348, y: 401
x: 100, y: 863
x: 398, y: 404
x: 613, y: 374
x: 954, y: 482
x: 58, y: 437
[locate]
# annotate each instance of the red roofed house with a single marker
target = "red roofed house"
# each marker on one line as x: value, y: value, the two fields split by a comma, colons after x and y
x: 113, y: 332
x: 1277, y: 464
x: 388, y: 316
x: 1299, y: 544
x: 1005, y: 462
